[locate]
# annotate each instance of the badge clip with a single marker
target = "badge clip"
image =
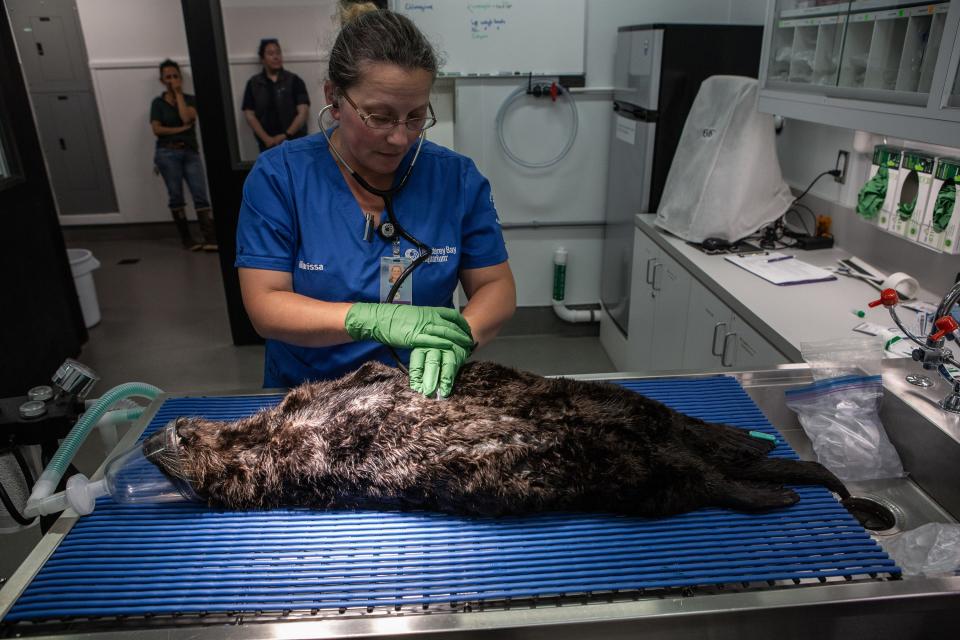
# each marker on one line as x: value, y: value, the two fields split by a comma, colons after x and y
x: 387, y: 230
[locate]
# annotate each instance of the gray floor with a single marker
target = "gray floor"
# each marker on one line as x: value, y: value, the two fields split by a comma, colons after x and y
x: 164, y: 317
x: 164, y: 322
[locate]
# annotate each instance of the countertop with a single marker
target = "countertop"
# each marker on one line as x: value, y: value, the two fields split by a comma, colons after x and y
x: 785, y: 315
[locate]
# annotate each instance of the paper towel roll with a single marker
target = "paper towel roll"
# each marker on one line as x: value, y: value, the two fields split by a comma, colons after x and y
x: 902, y: 283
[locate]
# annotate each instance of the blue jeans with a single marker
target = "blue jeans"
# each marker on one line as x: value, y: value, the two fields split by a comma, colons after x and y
x: 177, y: 165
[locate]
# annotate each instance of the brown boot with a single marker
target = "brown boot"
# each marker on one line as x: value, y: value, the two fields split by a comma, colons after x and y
x: 183, y: 228
x: 205, y: 216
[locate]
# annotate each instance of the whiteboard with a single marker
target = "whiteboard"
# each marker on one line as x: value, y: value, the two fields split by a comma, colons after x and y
x: 503, y: 37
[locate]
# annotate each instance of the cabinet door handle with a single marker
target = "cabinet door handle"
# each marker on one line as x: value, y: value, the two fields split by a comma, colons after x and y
x: 648, y: 278
x: 716, y: 333
x: 726, y: 342
x: 653, y: 282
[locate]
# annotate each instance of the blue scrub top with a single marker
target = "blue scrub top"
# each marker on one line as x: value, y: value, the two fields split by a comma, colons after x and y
x: 298, y: 215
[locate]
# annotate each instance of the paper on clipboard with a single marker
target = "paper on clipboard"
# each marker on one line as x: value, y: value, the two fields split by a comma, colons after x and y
x: 780, y: 268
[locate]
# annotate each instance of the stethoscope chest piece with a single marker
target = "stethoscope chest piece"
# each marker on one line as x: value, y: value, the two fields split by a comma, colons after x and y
x: 387, y: 231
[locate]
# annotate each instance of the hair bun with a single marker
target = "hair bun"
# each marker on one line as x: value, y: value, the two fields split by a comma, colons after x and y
x: 350, y: 10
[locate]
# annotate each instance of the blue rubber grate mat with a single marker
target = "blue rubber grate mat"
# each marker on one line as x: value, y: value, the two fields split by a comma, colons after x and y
x: 156, y: 560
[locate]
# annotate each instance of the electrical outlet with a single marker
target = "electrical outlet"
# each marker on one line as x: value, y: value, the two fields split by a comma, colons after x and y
x: 843, y: 157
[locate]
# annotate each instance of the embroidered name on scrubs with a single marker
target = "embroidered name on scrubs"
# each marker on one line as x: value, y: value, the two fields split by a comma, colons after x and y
x: 441, y: 254
x: 437, y: 254
x: 310, y: 266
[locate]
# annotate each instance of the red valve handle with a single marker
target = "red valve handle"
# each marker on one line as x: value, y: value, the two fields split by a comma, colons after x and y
x: 946, y: 325
x: 888, y: 298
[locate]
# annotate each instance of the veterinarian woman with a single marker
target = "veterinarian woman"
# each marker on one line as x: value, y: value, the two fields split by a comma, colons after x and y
x: 314, y: 262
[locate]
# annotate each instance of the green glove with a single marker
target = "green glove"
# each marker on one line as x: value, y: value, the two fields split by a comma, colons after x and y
x: 408, y: 327
x: 905, y: 210
x: 430, y: 368
x: 908, y: 186
x: 943, y: 207
x: 872, y: 193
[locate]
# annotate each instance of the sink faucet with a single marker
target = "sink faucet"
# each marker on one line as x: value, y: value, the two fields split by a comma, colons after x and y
x: 932, y: 352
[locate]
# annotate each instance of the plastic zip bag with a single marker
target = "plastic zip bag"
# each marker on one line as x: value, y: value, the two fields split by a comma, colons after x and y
x: 841, y: 418
x: 842, y: 356
x: 930, y: 550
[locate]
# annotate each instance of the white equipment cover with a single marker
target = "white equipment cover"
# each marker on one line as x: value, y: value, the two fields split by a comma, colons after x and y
x: 725, y: 180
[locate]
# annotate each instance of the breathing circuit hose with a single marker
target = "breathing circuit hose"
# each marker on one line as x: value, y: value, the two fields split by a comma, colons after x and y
x: 41, y: 502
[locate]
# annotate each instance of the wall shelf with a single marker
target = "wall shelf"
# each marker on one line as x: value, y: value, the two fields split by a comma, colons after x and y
x: 892, y: 64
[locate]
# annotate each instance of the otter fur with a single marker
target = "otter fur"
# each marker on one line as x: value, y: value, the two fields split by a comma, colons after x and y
x: 506, y: 442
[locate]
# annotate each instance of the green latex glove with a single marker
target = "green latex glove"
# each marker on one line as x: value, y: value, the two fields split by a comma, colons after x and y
x: 431, y: 369
x: 408, y: 327
x: 905, y: 210
x: 872, y: 193
x: 943, y: 207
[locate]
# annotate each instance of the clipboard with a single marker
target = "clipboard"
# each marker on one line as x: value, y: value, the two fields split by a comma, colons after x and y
x: 780, y: 269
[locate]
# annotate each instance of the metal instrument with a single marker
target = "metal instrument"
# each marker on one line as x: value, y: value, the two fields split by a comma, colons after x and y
x: 932, y: 352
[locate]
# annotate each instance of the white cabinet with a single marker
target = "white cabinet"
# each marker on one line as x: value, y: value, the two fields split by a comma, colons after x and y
x: 708, y: 323
x: 884, y: 66
x: 676, y: 323
x: 642, y: 300
x: 716, y: 338
x: 671, y: 295
x: 746, y: 349
x: 659, y: 296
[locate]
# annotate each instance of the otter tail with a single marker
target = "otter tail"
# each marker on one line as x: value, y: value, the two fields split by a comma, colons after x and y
x: 751, y: 481
x: 759, y: 486
x: 786, y: 471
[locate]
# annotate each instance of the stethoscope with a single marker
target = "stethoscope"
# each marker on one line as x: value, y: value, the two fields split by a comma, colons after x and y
x: 391, y: 230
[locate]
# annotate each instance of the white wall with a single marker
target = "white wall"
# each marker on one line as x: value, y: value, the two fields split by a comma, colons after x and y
x: 807, y: 148
x: 126, y: 40
x: 575, y: 189
x: 305, y: 29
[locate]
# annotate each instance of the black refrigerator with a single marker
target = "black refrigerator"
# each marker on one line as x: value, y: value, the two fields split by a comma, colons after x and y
x: 657, y: 72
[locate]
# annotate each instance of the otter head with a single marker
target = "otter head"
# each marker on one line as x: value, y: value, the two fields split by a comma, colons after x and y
x: 169, y: 449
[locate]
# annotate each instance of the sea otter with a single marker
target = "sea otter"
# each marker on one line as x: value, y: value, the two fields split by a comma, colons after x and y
x: 506, y: 442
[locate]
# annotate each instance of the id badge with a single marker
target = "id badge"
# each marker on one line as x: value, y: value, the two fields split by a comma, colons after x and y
x: 390, y: 269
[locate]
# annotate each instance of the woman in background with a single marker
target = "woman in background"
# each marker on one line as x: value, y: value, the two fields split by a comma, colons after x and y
x: 275, y: 101
x: 173, y: 116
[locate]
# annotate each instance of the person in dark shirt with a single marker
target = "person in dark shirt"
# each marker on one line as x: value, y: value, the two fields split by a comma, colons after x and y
x: 275, y: 101
x: 173, y: 116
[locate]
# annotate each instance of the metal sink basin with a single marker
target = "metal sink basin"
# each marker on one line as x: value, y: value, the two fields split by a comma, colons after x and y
x: 927, y: 439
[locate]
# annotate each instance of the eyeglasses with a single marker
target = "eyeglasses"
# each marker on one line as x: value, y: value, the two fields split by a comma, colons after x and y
x: 377, y: 121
